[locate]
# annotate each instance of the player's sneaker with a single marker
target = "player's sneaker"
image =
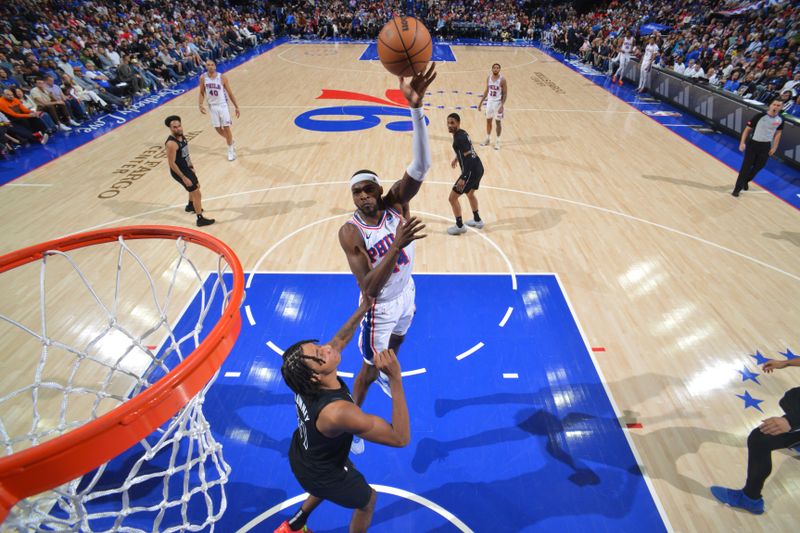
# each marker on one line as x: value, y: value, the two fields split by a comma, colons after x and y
x: 189, y: 208
x: 203, y: 221
x: 231, y: 153
x: 497, y: 144
x: 620, y: 82
x: 737, y: 498
x: 357, y: 446
x: 284, y: 528
x: 383, y: 383
x: 455, y: 230
x: 487, y: 142
x: 477, y: 224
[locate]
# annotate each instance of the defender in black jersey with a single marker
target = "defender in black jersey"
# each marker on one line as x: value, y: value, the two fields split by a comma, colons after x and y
x: 327, y: 419
x: 470, y: 179
x: 181, y: 168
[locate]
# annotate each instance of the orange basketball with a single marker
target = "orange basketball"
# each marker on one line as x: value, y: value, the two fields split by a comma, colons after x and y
x: 404, y: 46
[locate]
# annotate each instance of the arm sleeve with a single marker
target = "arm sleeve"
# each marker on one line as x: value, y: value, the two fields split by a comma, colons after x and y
x: 422, y: 152
x: 790, y: 403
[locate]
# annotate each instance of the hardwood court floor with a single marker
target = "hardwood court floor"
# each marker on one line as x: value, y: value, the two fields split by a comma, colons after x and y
x: 677, y: 280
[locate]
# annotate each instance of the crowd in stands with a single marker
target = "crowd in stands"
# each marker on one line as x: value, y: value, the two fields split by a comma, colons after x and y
x: 62, y: 61
x: 752, y: 53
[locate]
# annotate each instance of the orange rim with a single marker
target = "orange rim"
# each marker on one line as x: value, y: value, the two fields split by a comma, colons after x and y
x: 83, y: 449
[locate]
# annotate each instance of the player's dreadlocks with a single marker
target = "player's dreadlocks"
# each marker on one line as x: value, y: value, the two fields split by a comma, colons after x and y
x: 297, y: 375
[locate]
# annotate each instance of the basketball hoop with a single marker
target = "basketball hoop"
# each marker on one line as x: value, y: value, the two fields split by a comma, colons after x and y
x: 165, y: 387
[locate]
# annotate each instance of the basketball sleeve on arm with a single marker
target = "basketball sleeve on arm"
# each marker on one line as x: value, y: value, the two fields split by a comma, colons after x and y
x: 422, y: 151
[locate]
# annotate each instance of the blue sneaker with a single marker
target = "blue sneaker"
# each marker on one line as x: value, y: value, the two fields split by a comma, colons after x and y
x: 383, y: 382
x: 357, y: 446
x: 737, y: 498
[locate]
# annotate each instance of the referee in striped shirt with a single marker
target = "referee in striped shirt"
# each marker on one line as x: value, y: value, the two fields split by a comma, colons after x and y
x: 766, y: 129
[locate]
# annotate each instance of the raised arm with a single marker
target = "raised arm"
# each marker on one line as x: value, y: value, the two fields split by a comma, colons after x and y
x: 345, y: 417
x: 404, y: 190
x: 345, y: 333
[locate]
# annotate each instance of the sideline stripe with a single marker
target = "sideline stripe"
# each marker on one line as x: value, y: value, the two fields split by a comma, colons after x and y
x: 642, y: 467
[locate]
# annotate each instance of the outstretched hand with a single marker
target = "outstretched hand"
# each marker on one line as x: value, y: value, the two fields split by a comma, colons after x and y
x: 414, y: 89
x: 386, y: 361
x: 408, y: 231
x: 769, y: 366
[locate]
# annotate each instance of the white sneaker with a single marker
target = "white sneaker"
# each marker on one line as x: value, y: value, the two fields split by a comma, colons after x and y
x: 231, y: 154
x: 455, y: 230
x: 357, y: 447
x: 64, y: 127
x: 383, y: 382
x: 474, y: 224
x: 497, y: 145
x: 486, y: 142
x: 73, y: 123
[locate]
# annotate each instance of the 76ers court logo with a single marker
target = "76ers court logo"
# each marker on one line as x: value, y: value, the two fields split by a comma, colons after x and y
x: 358, y: 117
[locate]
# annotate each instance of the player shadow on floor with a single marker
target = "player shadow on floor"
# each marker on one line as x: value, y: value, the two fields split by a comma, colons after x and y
x: 542, y: 219
x: 688, y: 183
x: 262, y: 210
x: 792, y: 237
x: 685, y: 440
x: 227, y: 408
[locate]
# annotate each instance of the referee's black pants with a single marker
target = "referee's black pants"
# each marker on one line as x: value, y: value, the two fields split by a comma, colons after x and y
x: 759, y: 458
x: 756, y: 155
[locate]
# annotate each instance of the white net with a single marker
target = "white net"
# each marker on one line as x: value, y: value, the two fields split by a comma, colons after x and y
x: 109, y: 321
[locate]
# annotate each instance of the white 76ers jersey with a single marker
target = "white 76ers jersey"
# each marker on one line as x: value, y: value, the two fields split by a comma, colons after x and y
x: 495, y: 93
x: 215, y: 91
x: 377, y: 240
x: 627, y: 45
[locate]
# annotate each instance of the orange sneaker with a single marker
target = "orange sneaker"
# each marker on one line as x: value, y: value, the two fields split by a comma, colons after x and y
x: 613, y: 79
x: 620, y: 82
x: 284, y: 528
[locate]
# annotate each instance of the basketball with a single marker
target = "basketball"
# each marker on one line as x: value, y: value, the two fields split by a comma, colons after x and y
x: 404, y: 46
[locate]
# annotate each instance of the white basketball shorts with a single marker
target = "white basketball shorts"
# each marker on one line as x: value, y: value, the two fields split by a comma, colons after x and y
x: 220, y: 116
x: 385, y: 319
x: 493, y: 109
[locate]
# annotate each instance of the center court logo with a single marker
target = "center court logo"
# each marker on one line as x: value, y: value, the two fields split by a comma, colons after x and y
x: 358, y: 117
